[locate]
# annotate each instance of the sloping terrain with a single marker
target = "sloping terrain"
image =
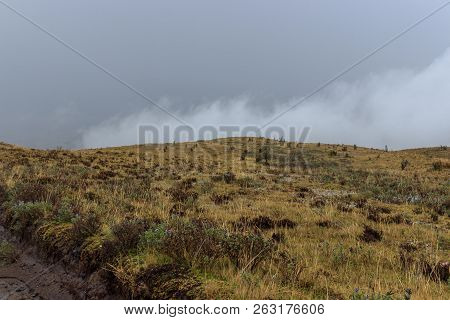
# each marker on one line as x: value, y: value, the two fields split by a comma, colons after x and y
x: 241, y: 218
x: 24, y: 275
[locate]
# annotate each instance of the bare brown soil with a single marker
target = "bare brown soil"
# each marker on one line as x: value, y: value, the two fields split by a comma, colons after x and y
x: 30, y: 277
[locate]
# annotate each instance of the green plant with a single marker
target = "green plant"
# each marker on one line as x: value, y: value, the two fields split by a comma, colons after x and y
x: 201, y: 242
x: 29, y: 192
x: 64, y: 213
x: 128, y: 233
x: 8, y: 253
x: 23, y: 218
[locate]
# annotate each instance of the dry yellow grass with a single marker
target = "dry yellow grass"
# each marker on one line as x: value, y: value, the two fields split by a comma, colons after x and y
x: 104, y: 204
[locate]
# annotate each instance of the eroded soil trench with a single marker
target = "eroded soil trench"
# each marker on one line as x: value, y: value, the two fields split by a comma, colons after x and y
x: 26, y: 276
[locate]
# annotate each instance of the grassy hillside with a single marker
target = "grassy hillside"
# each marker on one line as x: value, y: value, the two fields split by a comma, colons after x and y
x: 238, y: 218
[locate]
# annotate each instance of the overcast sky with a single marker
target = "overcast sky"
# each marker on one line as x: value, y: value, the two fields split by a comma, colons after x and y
x: 191, y: 54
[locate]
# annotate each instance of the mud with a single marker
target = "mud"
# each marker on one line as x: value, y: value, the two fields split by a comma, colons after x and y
x: 29, y: 277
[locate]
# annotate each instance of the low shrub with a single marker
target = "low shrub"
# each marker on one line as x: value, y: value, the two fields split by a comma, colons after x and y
x: 221, y: 198
x: 248, y: 182
x: 200, y: 242
x: 29, y: 192
x: 404, y: 164
x: 229, y: 177
x: 182, y: 191
x: 127, y: 233
x: 169, y: 282
x: 96, y: 250
x: 440, y: 165
x: 371, y: 235
x: 263, y: 223
x: 56, y: 239
x: 25, y: 217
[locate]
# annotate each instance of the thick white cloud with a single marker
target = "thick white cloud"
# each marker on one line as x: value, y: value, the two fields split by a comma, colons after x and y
x: 400, y: 108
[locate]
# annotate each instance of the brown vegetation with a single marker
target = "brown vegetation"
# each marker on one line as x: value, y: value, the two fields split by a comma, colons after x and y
x: 237, y: 218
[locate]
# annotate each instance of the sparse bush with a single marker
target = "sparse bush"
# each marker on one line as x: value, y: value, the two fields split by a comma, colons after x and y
x: 86, y: 225
x: 434, y: 217
x: 439, y: 271
x: 370, y: 235
x: 64, y: 213
x: 265, y: 153
x: 29, y: 192
x: 96, y: 250
x: 200, y: 242
x: 93, y: 210
x: 318, y: 202
x: 248, y: 182
x: 404, y: 164
x: 229, y: 177
x: 182, y: 193
x: 56, y: 239
x: 324, y: 223
x: 439, y: 165
x: 128, y: 233
x: 442, y: 208
x: 24, y: 218
x: 219, y: 199
x: 278, y: 237
x: 333, y: 153
x: 339, y: 256
x: 263, y: 223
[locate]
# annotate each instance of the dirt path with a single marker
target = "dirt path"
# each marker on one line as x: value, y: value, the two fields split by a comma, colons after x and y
x: 29, y: 277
